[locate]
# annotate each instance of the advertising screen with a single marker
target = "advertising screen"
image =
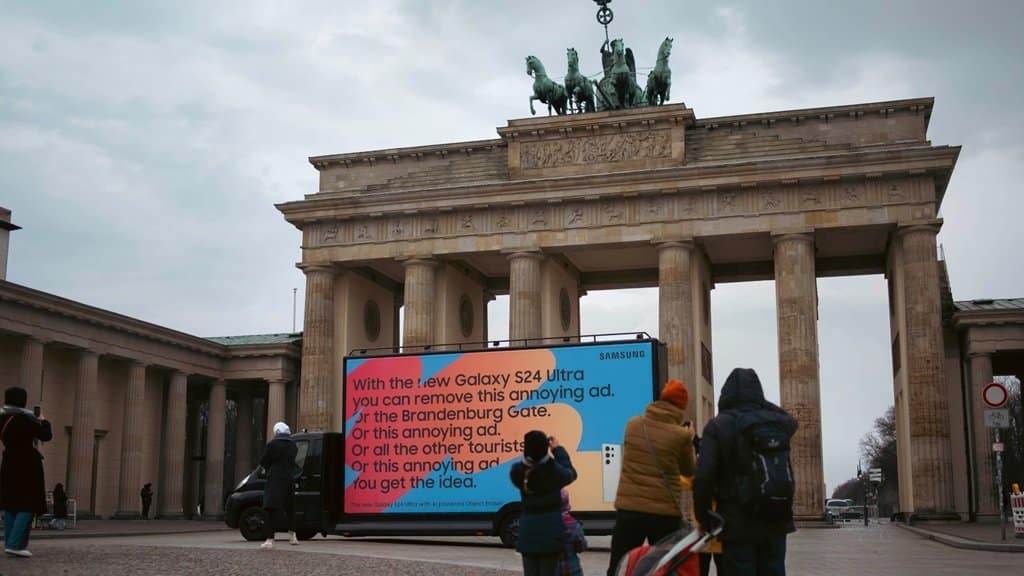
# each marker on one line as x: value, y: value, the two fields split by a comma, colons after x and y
x: 437, y: 433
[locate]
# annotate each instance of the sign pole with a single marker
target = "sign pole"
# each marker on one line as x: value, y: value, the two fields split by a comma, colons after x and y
x: 999, y: 485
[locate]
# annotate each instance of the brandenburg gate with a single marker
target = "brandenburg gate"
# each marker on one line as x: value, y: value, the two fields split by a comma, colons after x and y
x: 644, y: 197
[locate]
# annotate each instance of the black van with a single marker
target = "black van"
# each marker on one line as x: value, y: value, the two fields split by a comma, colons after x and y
x: 315, y: 456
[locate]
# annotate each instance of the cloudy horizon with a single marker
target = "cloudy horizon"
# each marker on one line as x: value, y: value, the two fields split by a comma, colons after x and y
x: 143, y: 146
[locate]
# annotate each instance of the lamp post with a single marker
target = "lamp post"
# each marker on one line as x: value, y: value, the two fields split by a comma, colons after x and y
x: 864, y: 490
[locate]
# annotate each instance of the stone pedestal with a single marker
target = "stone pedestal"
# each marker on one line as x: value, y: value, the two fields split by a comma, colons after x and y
x: 214, y: 489
x: 316, y: 395
x: 170, y: 494
x: 129, y: 503
x: 524, y: 297
x: 797, y: 314
x: 83, y: 433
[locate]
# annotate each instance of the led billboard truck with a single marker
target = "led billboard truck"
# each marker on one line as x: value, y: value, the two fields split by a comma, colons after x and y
x: 433, y: 436
x: 429, y: 439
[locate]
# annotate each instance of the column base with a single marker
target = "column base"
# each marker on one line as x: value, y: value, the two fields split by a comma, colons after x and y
x: 127, y: 516
x: 913, y: 517
x: 177, y: 516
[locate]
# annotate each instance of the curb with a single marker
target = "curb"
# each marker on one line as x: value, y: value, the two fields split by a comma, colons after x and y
x: 71, y: 533
x: 964, y: 543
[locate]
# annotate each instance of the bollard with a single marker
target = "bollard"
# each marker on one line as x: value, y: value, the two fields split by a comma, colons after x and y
x: 1017, y: 511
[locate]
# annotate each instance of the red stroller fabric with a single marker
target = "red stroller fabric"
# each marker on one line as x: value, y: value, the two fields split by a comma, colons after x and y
x: 677, y: 549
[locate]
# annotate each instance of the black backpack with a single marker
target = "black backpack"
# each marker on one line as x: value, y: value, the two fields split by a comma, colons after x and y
x: 764, y: 484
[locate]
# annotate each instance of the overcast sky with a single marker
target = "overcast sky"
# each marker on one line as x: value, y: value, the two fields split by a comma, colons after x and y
x: 143, y: 147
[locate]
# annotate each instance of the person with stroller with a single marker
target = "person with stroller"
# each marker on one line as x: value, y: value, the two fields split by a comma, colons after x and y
x: 574, y: 542
x: 540, y: 476
x: 744, y: 466
x: 657, y: 448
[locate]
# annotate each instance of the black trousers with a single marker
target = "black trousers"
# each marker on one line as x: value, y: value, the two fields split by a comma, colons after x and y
x: 632, y: 528
x: 276, y: 515
x: 764, y: 558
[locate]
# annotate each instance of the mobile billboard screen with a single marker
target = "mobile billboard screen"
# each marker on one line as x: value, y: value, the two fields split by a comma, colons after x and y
x: 438, y: 433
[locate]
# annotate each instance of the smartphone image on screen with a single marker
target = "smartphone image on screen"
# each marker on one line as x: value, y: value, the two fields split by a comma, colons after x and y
x: 611, y: 467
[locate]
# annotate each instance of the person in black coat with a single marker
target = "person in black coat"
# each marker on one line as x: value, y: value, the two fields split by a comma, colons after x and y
x: 540, y: 477
x: 279, y: 493
x: 60, y: 507
x: 146, y: 494
x: 22, y: 486
x: 751, y: 543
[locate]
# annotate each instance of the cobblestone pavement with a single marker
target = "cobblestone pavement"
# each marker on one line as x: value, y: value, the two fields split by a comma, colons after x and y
x: 852, y: 550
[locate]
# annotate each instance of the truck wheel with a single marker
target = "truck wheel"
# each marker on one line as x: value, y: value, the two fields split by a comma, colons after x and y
x: 508, y: 530
x: 251, y: 523
x: 306, y: 534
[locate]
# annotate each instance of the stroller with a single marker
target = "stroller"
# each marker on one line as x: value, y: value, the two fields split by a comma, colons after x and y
x: 674, y: 555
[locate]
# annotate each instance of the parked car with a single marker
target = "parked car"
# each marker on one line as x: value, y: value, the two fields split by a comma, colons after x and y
x: 843, y: 509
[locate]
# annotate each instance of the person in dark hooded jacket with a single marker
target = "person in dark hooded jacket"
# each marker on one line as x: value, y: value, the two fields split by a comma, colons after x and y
x: 540, y: 476
x: 751, y: 543
x: 22, y: 484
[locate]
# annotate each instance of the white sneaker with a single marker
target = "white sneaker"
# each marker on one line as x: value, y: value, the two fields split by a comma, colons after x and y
x: 22, y: 553
x: 292, y: 539
x: 267, y: 545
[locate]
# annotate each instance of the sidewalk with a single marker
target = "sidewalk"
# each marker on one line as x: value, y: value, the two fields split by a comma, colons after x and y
x: 981, y: 535
x: 107, y: 528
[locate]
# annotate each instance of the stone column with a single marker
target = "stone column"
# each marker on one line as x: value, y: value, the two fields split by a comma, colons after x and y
x: 171, y: 493
x: 275, y: 406
x: 796, y: 309
x: 931, y: 461
x: 316, y: 398
x: 524, y: 297
x: 83, y: 432
x: 129, y: 504
x: 419, y: 302
x: 243, y: 436
x: 31, y: 378
x: 985, y: 502
x: 214, y: 489
x: 675, y: 315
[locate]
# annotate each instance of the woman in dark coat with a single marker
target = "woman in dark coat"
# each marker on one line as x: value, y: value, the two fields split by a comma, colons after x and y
x: 540, y: 477
x: 22, y: 487
x: 60, y: 507
x: 279, y: 493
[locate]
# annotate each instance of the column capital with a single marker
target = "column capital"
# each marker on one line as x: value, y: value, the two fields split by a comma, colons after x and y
x: 36, y: 339
x: 930, y: 227
x: 134, y: 362
x: 317, y: 267
x: 88, y: 352
x: 794, y: 236
x: 979, y: 354
x: 418, y: 261
x: 530, y: 253
x: 685, y: 243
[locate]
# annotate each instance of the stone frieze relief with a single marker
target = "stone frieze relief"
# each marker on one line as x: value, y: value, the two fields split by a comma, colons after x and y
x: 596, y: 149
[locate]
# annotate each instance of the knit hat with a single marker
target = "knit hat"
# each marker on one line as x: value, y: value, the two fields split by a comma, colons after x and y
x: 535, y: 445
x: 676, y: 393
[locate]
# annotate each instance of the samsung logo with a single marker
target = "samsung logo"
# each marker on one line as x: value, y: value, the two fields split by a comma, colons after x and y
x: 622, y: 355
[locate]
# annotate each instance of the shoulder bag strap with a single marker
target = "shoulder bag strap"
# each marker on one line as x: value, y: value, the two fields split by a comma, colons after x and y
x: 668, y: 485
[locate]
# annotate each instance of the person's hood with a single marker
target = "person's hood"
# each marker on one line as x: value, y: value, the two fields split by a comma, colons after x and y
x: 742, y: 389
x: 665, y: 411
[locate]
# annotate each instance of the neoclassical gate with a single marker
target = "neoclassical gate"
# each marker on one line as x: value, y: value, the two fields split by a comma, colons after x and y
x: 646, y: 197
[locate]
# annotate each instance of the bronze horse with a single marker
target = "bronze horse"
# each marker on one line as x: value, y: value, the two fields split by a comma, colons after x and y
x: 545, y: 89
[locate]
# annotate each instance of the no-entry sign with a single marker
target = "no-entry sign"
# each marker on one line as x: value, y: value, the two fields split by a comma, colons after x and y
x: 994, y: 395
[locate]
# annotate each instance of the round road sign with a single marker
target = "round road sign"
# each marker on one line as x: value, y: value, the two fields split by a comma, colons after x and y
x: 994, y: 395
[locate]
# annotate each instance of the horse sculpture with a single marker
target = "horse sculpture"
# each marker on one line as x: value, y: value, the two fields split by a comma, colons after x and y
x: 618, y: 89
x: 660, y: 79
x: 545, y: 89
x: 577, y: 86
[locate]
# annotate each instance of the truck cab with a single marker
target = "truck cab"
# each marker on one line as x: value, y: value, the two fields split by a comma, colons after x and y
x: 244, y: 506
